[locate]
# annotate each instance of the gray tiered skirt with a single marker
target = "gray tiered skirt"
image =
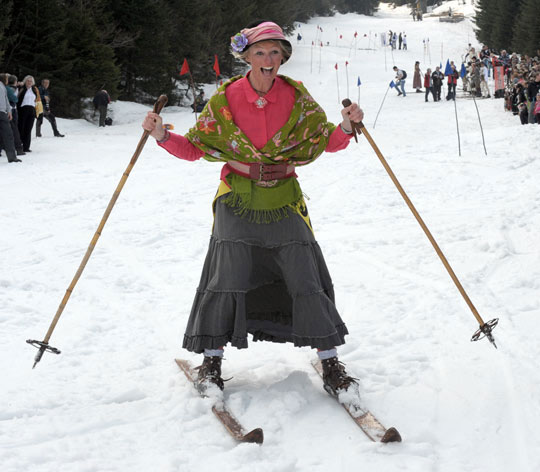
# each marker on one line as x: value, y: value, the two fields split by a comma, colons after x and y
x: 269, y: 280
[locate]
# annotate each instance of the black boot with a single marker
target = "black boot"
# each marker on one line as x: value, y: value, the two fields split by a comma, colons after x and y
x: 335, y: 378
x: 209, y: 373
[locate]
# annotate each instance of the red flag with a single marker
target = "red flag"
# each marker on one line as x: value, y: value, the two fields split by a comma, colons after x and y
x: 336, y: 66
x: 355, y: 34
x: 346, y: 63
x: 185, y: 68
x: 340, y: 36
x: 216, y: 66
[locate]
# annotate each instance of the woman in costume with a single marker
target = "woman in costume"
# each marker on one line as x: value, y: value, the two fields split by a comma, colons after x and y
x: 264, y: 272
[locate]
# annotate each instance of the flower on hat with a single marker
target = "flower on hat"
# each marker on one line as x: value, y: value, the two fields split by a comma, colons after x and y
x: 239, y: 42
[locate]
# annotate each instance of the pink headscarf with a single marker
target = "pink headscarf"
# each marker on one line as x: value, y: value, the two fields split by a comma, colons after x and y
x: 262, y: 32
x: 266, y: 30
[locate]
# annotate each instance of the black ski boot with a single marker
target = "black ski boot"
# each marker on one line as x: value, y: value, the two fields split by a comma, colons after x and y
x: 335, y: 378
x: 209, y: 373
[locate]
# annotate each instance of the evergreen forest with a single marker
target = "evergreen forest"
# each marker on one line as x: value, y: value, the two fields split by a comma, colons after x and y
x: 513, y: 25
x: 135, y: 48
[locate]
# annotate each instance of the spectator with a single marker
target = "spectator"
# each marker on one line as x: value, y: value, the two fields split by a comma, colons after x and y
x: 29, y: 105
x: 485, y: 56
x: 484, y: 77
x: 537, y: 109
x: 6, y: 135
x: 401, y: 75
x: 438, y: 78
x: 523, y: 113
x: 101, y: 102
x: 404, y: 42
x: 199, y: 103
x: 428, y: 85
x: 417, y: 80
x: 475, y: 77
x: 13, y: 99
x: 532, y: 91
x: 452, y: 82
x: 47, y: 113
x: 400, y: 39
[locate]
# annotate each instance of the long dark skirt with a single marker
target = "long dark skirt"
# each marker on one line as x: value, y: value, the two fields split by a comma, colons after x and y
x: 269, y: 280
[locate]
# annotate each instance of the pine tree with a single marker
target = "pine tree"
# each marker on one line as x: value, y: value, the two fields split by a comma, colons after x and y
x: 5, y: 20
x: 527, y: 28
x: 145, y: 60
x: 485, y: 13
x: 505, y: 15
x: 37, y: 44
x: 92, y: 61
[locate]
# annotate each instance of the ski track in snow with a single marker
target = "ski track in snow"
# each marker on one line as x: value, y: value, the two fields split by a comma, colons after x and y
x: 115, y: 401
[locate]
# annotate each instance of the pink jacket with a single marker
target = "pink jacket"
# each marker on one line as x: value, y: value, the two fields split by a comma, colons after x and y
x: 258, y: 124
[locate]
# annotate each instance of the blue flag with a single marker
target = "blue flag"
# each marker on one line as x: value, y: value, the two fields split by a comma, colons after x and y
x: 359, y: 83
x: 463, y: 72
x: 448, y: 69
x: 392, y: 84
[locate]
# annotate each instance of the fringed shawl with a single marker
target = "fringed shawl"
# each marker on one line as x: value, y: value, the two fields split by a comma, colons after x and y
x: 302, y: 139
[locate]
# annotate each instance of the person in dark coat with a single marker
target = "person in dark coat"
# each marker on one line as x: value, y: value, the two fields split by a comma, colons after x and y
x: 438, y: 78
x: 47, y: 113
x: 6, y: 135
x: 101, y: 102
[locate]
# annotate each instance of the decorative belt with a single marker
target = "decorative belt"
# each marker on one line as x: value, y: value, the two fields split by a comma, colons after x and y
x: 261, y: 172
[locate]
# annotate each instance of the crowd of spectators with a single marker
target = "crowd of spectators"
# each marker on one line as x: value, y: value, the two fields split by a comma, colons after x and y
x: 519, y: 82
x: 21, y: 104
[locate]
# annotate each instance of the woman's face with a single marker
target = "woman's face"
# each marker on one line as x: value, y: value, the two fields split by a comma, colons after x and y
x: 28, y: 83
x: 265, y: 59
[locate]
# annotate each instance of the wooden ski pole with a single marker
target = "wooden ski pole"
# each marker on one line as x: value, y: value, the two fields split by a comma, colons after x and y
x: 44, y: 345
x: 485, y: 328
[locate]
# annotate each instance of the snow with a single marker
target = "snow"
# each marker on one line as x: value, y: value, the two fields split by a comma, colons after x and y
x: 114, y: 400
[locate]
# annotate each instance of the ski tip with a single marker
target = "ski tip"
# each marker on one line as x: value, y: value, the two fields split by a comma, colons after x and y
x: 256, y: 436
x: 391, y: 435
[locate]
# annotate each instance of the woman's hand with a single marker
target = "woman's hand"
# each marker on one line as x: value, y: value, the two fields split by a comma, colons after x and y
x: 154, y: 124
x: 351, y: 113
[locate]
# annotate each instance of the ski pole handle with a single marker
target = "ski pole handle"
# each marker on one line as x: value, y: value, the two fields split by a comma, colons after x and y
x: 160, y: 103
x: 356, y: 127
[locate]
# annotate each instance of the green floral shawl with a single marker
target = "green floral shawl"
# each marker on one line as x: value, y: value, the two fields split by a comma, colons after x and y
x: 301, y: 140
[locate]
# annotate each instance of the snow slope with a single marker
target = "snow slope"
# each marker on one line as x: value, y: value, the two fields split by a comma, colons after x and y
x: 115, y: 401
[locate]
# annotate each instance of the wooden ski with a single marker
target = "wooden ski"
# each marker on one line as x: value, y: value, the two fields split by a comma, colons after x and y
x: 227, y: 419
x: 367, y: 422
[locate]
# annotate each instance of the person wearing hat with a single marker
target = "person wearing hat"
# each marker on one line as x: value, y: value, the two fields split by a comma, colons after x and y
x: 537, y: 108
x: 264, y: 272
